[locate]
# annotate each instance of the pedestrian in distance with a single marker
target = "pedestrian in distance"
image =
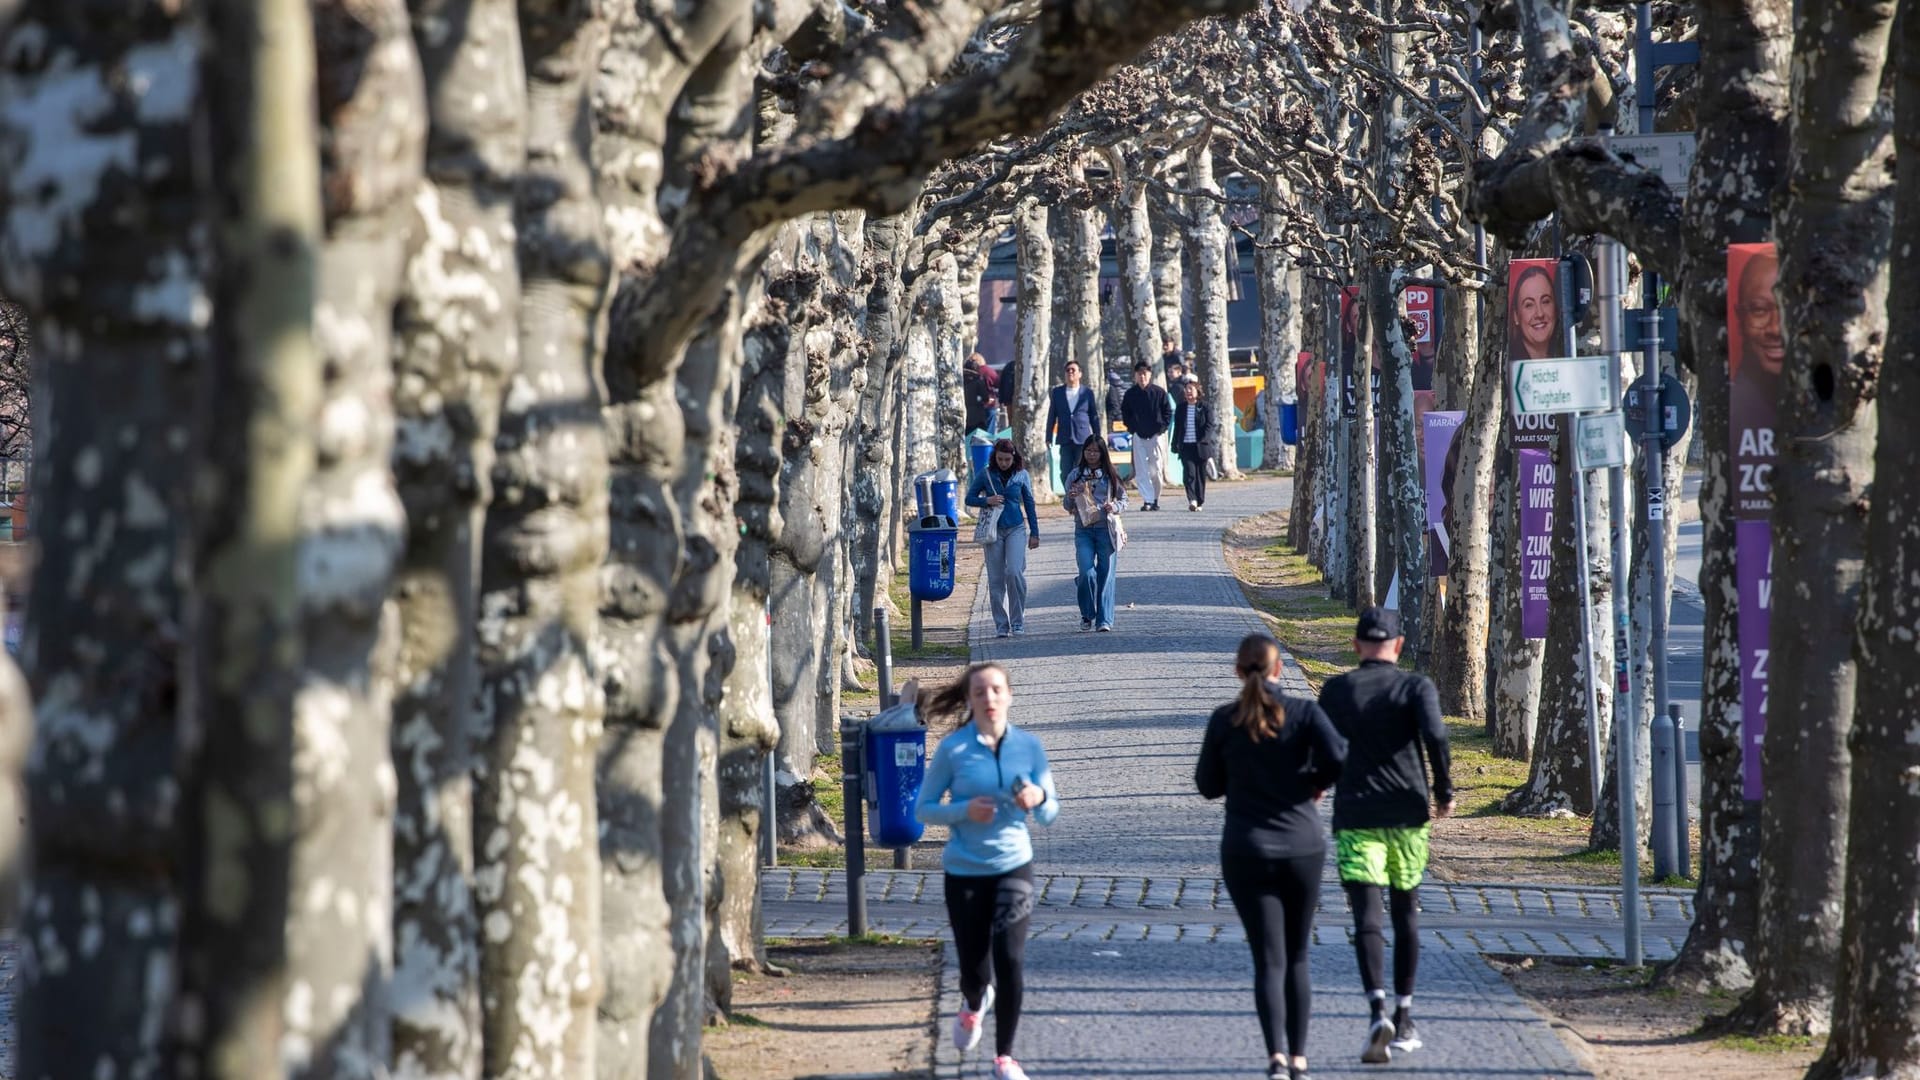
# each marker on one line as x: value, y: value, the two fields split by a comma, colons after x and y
x: 985, y: 782
x: 1095, y: 492
x: 1383, y: 814
x: 1273, y: 756
x: 1004, y: 483
x: 1072, y: 415
x: 980, y: 386
x: 1147, y: 411
x: 1195, y: 439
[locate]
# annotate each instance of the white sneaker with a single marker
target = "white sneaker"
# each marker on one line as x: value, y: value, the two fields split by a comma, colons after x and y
x: 1005, y: 1068
x: 967, y: 1023
x: 1379, y: 1037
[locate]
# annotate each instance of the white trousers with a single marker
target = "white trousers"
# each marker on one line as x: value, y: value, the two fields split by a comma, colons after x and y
x: 1149, y: 463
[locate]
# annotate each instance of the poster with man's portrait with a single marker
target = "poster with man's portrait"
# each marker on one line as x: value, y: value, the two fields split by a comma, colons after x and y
x: 1756, y: 356
x: 1534, y: 332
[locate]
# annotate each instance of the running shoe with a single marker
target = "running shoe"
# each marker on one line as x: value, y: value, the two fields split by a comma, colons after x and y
x: 1086, y: 624
x: 1019, y: 631
x: 967, y: 1022
x: 1000, y: 633
x: 1105, y: 628
x: 1279, y: 1070
x: 1191, y: 505
x: 1297, y: 1074
x: 1005, y: 1068
x: 1408, y: 1037
x: 1379, y: 1037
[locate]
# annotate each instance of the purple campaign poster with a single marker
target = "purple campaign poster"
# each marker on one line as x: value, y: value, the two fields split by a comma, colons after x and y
x: 1753, y: 570
x: 1439, y: 463
x: 1756, y: 353
x: 1536, y: 539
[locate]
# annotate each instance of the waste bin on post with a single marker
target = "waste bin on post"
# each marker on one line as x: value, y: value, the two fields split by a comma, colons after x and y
x: 896, y: 760
x: 1290, y: 423
x: 979, y: 451
x: 931, y: 544
x: 946, y: 495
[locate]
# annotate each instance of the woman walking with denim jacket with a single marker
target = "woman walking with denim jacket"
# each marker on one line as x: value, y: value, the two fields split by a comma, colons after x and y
x: 1004, y: 483
x: 984, y: 782
x: 1094, y: 493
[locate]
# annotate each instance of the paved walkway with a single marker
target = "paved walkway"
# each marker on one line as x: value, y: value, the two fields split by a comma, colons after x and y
x: 1138, y: 966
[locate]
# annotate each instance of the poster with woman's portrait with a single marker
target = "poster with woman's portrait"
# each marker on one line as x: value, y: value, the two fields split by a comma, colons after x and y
x: 1441, y: 462
x: 1756, y: 355
x: 1534, y: 332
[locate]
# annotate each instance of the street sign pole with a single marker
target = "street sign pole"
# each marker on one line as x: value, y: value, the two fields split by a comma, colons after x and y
x: 1656, y: 481
x: 1626, y: 702
x: 1570, y: 432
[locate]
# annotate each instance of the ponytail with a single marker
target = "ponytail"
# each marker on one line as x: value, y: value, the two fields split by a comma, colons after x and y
x: 1259, y: 711
x: 951, y: 700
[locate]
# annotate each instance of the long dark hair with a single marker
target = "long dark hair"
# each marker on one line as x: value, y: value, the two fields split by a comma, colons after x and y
x: 1106, y: 462
x: 951, y: 700
x: 1259, y: 711
x: 1005, y: 446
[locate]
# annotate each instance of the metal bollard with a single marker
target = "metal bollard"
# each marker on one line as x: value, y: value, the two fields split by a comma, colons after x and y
x: 883, y: 656
x: 1684, y: 818
x: 852, y: 769
x: 917, y: 639
x: 901, y: 857
x: 1664, y: 830
x: 769, y: 814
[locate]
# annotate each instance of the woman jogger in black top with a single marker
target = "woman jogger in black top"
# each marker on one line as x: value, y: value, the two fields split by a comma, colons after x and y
x: 1272, y: 756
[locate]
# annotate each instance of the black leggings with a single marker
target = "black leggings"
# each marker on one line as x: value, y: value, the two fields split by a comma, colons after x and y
x: 989, y: 916
x: 1275, y: 899
x: 1193, y: 472
x: 1368, y: 941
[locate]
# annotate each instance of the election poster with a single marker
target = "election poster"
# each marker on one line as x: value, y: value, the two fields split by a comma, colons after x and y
x: 1534, y: 332
x: 1536, y: 540
x: 1442, y: 460
x: 1756, y: 354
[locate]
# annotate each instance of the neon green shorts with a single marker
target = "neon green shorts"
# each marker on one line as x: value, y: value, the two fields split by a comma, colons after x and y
x: 1391, y: 858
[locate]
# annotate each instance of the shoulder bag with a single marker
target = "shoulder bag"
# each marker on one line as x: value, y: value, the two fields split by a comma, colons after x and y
x: 987, y: 529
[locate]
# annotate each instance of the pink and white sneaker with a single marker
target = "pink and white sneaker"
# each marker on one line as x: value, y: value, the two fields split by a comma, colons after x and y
x: 1005, y: 1068
x: 967, y: 1024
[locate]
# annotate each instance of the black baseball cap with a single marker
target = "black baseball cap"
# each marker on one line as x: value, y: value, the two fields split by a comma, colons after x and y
x: 1378, y: 624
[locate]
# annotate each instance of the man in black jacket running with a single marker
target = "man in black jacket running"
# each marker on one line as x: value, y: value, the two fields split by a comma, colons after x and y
x: 1381, y: 820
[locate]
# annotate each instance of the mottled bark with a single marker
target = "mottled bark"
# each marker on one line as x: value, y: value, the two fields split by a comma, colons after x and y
x: 1033, y: 321
x: 1463, y: 632
x: 1361, y: 545
x: 1833, y: 219
x: 1404, y: 524
x: 642, y: 73
x: 259, y: 397
x: 542, y: 701
x: 949, y: 360
x: 921, y: 420
x: 1562, y: 777
x: 98, y: 153
x: 1307, y: 527
x: 1744, y: 46
x: 1133, y: 244
x: 1080, y: 270
x: 1513, y: 670
x: 1208, y: 248
x: 457, y: 343
x: 1279, y: 329
x: 875, y: 494
x: 1168, y: 275
x: 1876, y: 1009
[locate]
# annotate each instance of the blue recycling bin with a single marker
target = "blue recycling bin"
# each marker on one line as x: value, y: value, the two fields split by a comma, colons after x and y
x: 930, y: 557
x: 896, y: 765
x: 938, y: 494
x: 1290, y: 423
x: 980, y: 451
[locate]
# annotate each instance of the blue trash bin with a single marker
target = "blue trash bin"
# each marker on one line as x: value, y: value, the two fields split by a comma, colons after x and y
x: 930, y: 557
x: 946, y: 495
x: 1290, y: 423
x: 980, y: 451
x: 896, y: 765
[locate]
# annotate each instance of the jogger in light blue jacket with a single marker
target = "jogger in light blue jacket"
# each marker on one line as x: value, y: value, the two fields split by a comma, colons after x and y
x: 985, y: 781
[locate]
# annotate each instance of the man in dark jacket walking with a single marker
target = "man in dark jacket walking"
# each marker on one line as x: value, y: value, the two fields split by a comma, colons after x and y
x: 1147, y: 411
x: 1381, y: 820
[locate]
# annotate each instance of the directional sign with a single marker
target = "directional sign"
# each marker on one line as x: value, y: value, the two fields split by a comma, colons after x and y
x: 1560, y: 385
x: 1603, y: 441
x: 1670, y: 154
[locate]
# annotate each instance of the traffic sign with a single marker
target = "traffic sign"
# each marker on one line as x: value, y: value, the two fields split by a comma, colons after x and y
x: 1676, y: 412
x: 1603, y: 441
x: 1560, y: 385
x: 1669, y: 153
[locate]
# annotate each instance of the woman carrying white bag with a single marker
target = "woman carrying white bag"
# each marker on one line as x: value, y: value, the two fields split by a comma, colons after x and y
x: 1007, y: 530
